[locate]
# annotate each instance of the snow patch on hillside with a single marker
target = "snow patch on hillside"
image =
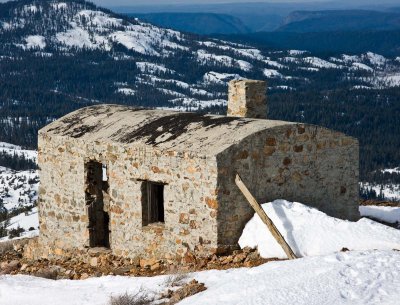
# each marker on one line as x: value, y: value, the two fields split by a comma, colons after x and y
x: 80, y: 38
x: 28, y: 221
x: 320, y: 63
x: 274, y: 63
x: 147, y: 67
x: 395, y: 170
x: 126, y: 91
x: 59, y: 5
x: 18, y: 189
x: 244, y: 65
x: 171, y: 92
x: 361, y: 66
x: 12, y: 149
x: 311, y: 232
x: 296, y: 52
x: 387, y: 191
x: 219, y: 78
x: 272, y: 73
x: 375, y: 59
x: 204, y: 58
x: 35, y: 42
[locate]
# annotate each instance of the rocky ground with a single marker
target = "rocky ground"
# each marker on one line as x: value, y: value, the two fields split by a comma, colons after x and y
x: 100, y: 262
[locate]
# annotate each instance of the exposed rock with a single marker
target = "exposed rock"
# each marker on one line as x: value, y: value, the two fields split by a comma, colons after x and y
x: 94, y: 261
x: 187, y: 290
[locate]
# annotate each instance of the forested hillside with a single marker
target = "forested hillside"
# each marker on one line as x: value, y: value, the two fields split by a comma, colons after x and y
x: 56, y: 57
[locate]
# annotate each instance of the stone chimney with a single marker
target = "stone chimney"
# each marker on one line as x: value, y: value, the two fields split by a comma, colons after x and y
x: 247, y: 99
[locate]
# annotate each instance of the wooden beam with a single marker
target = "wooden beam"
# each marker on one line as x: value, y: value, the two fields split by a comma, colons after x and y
x: 264, y: 217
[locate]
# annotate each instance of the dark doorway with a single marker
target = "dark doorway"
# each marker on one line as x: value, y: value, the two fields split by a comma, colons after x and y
x: 96, y: 184
x: 152, y: 202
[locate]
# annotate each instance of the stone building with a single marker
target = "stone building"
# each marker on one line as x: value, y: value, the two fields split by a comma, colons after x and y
x: 152, y: 183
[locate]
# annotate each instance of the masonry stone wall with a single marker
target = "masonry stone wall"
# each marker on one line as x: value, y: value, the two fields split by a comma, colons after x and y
x: 302, y: 163
x: 247, y: 99
x: 190, y: 198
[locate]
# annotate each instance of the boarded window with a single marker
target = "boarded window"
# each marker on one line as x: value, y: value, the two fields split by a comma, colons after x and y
x: 152, y: 202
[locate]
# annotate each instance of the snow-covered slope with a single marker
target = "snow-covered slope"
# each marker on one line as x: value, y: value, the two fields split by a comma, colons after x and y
x: 311, y: 232
x: 66, y: 28
x: 18, y: 193
x: 368, y: 277
x: 12, y: 149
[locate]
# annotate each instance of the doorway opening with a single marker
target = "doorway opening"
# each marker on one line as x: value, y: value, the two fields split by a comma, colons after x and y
x: 95, y: 193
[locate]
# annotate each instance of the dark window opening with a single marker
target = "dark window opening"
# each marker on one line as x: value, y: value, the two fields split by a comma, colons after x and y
x: 152, y: 202
x: 95, y: 191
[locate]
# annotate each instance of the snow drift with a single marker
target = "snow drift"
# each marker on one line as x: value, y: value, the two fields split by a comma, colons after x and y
x: 311, y: 232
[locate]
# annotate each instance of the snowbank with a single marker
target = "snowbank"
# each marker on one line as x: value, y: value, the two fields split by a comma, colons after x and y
x: 370, y: 277
x: 311, y: 232
x: 386, y: 214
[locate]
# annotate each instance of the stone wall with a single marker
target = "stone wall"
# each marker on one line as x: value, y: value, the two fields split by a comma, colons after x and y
x: 190, y: 198
x: 302, y: 163
x: 247, y: 99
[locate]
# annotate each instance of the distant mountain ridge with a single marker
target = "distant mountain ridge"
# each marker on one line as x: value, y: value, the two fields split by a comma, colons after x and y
x: 200, y: 23
x: 340, y: 20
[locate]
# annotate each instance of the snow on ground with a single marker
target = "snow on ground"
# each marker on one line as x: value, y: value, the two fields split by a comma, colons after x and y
x: 388, y: 191
x: 390, y: 80
x: 367, y: 277
x: 147, y: 67
x: 18, y: 189
x: 244, y: 65
x: 361, y: 87
x: 361, y: 66
x: 206, y: 58
x: 59, y: 5
x: 311, y: 232
x: 200, y: 92
x: 12, y: 149
x: 219, y: 78
x: 171, y: 92
x: 250, y: 53
x: 80, y: 38
x: 320, y: 63
x: 151, y: 79
x: 309, y: 69
x: 28, y: 221
x: 126, y: 91
x: 350, y: 58
x: 296, y: 52
x: 97, y: 30
x: 375, y: 59
x: 391, y: 170
x: 192, y: 104
x: 383, y: 213
x: 290, y: 59
x: 275, y: 64
x: 272, y: 73
x: 35, y: 42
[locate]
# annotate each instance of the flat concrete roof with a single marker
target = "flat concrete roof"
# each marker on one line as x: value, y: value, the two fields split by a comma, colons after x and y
x: 164, y: 129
